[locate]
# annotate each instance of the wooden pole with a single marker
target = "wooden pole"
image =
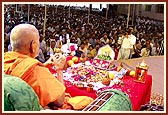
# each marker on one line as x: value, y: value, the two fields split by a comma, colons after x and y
x: 28, y: 12
x: 128, y: 15
x: 100, y: 6
x: 56, y: 8
x: 16, y: 7
x: 69, y: 10
x: 133, y: 15
x: 88, y: 13
x: 21, y: 8
x: 107, y: 10
x: 44, y: 27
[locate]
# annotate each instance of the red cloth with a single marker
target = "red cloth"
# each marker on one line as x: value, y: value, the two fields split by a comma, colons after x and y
x: 74, y: 91
x: 116, y: 54
x: 139, y: 93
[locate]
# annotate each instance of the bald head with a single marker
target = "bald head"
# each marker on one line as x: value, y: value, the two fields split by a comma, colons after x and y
x: 22, y: 36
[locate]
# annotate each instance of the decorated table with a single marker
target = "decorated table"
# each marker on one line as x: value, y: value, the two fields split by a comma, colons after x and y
x: 91, y: 78
x: 139, y: 93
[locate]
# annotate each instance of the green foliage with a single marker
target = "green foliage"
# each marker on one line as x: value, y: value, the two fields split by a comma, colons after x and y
x: 104, y: 57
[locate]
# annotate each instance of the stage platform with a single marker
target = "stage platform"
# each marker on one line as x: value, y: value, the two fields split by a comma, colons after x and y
x: 156, y: 68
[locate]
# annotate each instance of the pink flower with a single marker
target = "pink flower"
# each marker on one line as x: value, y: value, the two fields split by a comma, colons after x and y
x: 72, y: 47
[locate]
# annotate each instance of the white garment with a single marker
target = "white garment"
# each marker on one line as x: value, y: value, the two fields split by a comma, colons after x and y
x: 132, y: 39
x: 123, y: 54
x: 126, y: 47
x: 51, y: 29
x: 120, y: 39
x: 105, y: 41
x: 128, y: 43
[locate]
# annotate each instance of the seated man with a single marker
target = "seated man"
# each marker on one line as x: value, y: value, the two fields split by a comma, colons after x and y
x: 137, y: 50
x: 21, y: 62
x: 145, y: 52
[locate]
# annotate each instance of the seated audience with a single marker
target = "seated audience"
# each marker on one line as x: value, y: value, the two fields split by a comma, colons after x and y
x: 145, y: 52
x: 137, y: 50
x: 78, y: 52
x: 83, y: 48
x: 95, y: 50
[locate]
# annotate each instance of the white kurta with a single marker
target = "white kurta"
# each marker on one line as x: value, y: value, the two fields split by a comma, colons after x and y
x: 126, y: 47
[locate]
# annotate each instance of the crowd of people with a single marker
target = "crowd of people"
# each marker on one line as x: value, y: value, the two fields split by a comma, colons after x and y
x: 89, y: 35
x: 23, y: 39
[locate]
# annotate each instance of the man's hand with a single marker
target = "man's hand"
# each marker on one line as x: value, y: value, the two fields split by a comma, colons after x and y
x: 59, y: 61
x: 49, y: 63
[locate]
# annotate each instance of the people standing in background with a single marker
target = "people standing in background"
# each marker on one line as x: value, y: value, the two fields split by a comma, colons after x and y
x: 132, y: 40
x: 127, y: 43
x: 58, y: 23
